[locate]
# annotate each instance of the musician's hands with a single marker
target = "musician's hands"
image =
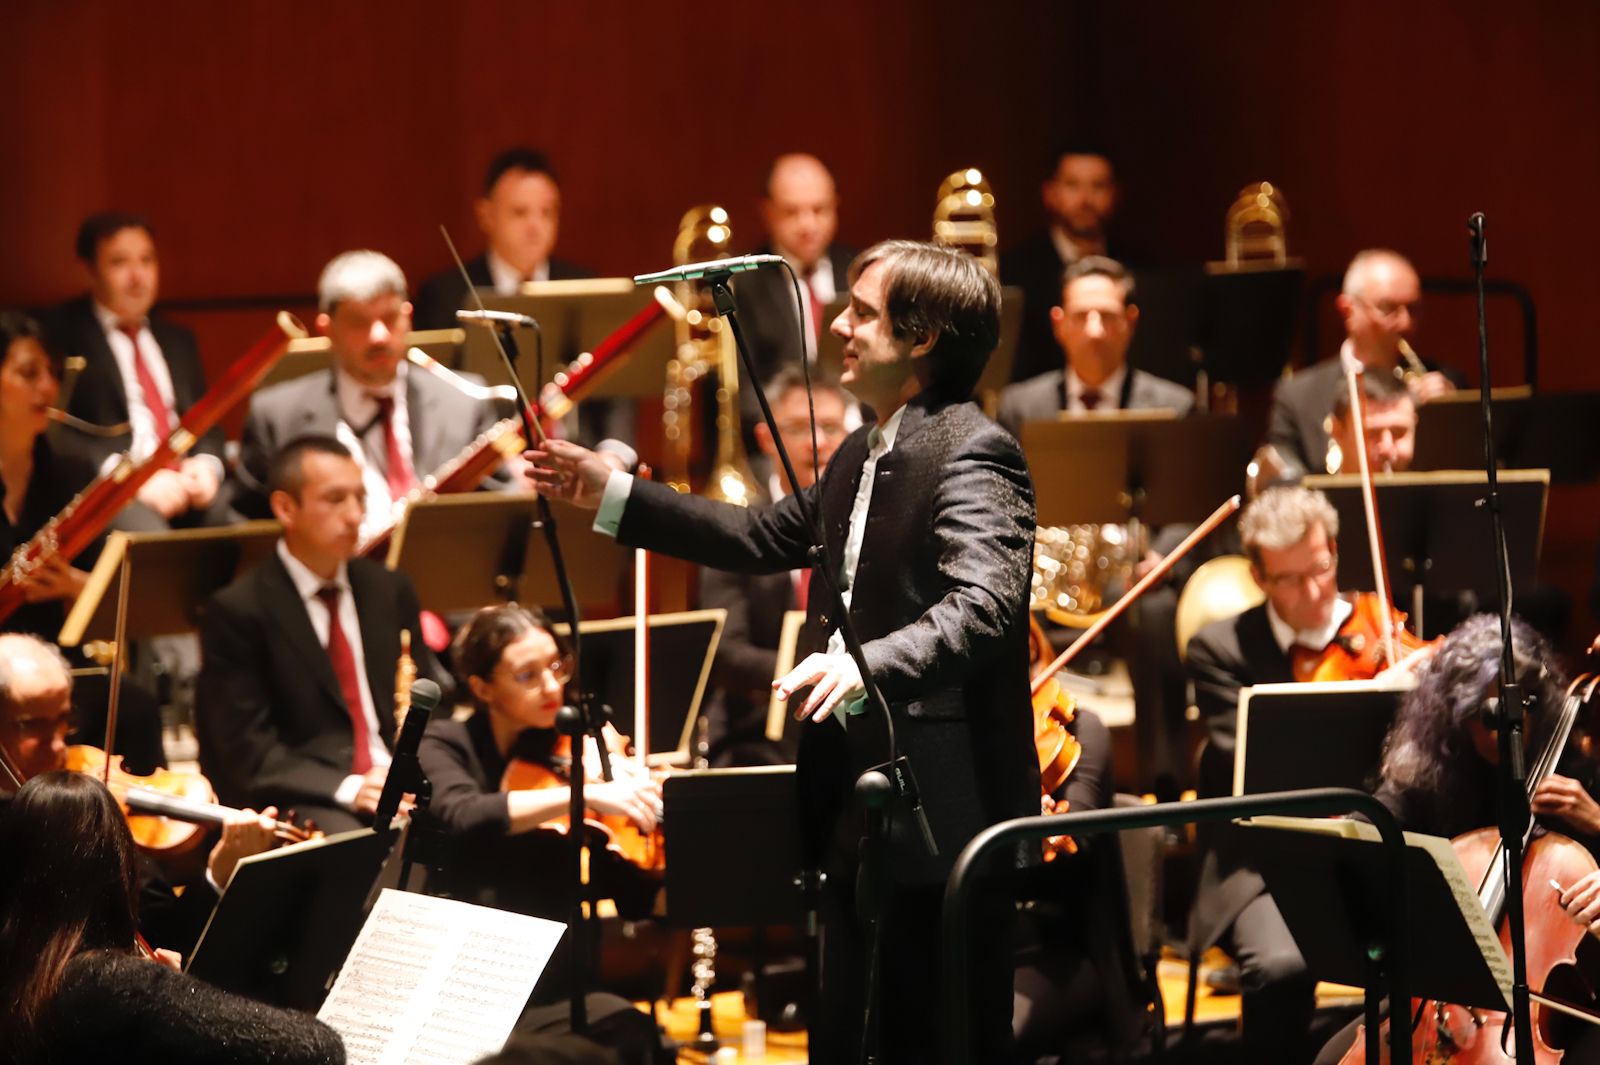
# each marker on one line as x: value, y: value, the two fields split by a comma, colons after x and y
x: 833, y: 678
x: 200, y: 481
x: 170, y: 958
x: 1429, y: 386
x: 563, y: 470
x: 636, y: 798
x: 1150, y: 561
x: 371, y: 790
x: 54, y: 578
x: 1582, y: 902
x: 1569, y: 800
x: 166, y: 493
x: 244, y: 833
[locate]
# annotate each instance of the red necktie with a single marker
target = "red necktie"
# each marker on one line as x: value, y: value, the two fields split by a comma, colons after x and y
x: 344, y: 668
x: 397, y: 469
x: 802, y: 588
x: 159, y: 413
x: 1090, y: 398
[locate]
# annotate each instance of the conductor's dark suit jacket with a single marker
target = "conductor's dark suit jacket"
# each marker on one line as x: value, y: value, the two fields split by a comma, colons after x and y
x: 98, y: 395
x: 940, y: 603
x: 272, y: 723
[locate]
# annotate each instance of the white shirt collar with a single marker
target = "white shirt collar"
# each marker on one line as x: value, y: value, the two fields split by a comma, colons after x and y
x: 506, y: 278
x: 887, y: 431
x: 1110, y: 390
x: 1068, y: 249
x: 308, y: 584
x: 1286, y: 637
x: 359, y: 401
x: 1348, y: 360
x: 109, y: 321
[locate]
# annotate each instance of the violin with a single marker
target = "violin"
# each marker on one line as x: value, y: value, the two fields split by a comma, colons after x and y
x: 1358, y: 651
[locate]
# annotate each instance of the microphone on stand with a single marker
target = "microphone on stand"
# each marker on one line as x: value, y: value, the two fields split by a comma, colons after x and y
x: 526, y: 321
x: 695, y: 271
x: 405, y: 773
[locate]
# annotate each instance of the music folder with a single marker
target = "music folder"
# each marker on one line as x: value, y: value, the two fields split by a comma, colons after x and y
x: 1316, y: 735
x: 733, y: 847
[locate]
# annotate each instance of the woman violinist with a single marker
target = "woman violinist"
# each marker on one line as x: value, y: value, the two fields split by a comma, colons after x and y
x: 74, y: 987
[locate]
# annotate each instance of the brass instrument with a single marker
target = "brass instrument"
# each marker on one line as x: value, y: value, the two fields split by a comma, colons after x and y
x: 1073, y: 565
x: 405, y: 675
x: 1255, y: 232
x: 963, y: 217
x: 1413, y: 370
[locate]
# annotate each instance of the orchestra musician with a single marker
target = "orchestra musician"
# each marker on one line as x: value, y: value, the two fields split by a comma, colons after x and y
x: 400, y: 423
x: 747, y: 654
x: 929, y: 516
x: 1390, y: 417
x: 295, y: 702
x: 75, y: 989
x: 40, y: 479
x: 140, y: 370
x: 36, y: 716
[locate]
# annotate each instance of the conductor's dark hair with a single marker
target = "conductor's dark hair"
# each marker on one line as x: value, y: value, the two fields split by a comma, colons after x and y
x: 530, y: 160
x: 101, y: 227
x: 287, y: 472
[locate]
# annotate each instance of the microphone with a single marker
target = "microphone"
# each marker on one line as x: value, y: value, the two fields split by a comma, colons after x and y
x: 405, y: 773
x: 695, y: 271
x: 526, y: 321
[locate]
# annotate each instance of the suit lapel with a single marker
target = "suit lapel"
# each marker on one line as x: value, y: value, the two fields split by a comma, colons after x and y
x: 421, y: 411
x: 282, y: 604
x: 100, y: 362
x: 380, y: 645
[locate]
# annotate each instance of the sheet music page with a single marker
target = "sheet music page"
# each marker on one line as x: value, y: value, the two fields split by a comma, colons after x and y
x: 434, y: 981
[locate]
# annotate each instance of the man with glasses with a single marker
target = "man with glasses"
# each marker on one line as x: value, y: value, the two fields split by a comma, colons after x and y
x: 1379, y: 303
x: 1289, y: 535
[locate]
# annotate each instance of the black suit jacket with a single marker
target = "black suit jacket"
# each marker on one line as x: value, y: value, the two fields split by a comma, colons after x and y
x: 443, y: 422
x: 271, y: 720
x: 98, y: 395
x: 443, y: 294
x: 940, y: 603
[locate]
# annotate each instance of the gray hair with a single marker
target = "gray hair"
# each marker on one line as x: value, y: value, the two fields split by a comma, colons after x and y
x: 358, y: 275
x: 793, y: 377
x: 1281, y: 517
x: 16, y: 645
x: 1355, y: 275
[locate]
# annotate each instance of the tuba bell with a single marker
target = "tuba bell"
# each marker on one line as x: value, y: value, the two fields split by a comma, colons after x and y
x: 963, y: 217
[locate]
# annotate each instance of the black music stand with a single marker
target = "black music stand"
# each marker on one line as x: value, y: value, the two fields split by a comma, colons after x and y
x: 733, y: 848
x: 1435, y: 532
x: 470, y: 549
x: 1247, y: 322
x: 289, y: 916
x: 1318, y: 735
x: 682, y: 647
x: 1555, y: 431
x: 1116, y: 466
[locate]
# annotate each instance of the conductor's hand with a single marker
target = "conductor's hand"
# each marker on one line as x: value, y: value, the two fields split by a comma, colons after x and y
x: 563, y: 470
x: 1569, y: 800
x: 832, y: 678
x: 1582, y: 902
x: 244, y: 833
x: 636, y: 798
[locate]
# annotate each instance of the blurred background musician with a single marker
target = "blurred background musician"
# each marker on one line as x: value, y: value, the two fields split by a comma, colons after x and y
x: 36, y: 715
x: 519, y: 215
x: 40, y: 479
x: 1080, y: 197
x: 75, y: 986
x: 295, y: 701
x: 140, y: 370
x: 747, y: 655
x: 400, y: 422
x: 1390, y: 417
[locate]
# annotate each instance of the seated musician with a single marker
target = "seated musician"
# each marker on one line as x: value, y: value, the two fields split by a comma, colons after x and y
x: 40, y: 479
x: 36, y: 715
x: 747, y: 654
x: 1390, y: 416
x: 1289, y: 534
x: 75, y: 987
x: 1093, y: 325
x: 516, y: 670
x: 140, y: 370
x: 295, y: 702
x: 401, y: 423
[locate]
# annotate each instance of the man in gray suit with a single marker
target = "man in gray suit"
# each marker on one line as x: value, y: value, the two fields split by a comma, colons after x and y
x: 401, y: 423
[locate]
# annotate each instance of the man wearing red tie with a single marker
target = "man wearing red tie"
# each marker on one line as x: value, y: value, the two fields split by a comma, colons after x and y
x: 141, y: 372
x: 297, y: 680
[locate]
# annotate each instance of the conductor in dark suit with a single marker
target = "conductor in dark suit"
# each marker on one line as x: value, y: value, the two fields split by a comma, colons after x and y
x: 1378, y: 301
x: 140, y: 370
x: 1289, y: 534
x: 401, y: 422
x: 519, y: 214
x: 747, y: 654
x: 295, y: 701
x: 928, y: 515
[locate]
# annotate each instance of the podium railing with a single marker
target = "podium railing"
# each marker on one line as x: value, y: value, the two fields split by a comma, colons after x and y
x: 1312, y: 802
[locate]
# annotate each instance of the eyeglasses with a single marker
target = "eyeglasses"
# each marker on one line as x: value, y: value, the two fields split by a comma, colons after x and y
x: 1319, y: 572
x: 1389, y: 310
x: 560, y: 669
x: 41, y: 726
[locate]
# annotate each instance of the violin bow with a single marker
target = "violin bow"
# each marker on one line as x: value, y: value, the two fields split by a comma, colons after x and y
x: 1369, y: 501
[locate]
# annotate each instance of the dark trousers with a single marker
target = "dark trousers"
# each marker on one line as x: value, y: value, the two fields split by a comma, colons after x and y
x: 1279, y: 996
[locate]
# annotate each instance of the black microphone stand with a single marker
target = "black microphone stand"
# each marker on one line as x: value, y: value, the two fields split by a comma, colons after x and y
x: 878, y: 787
x: 1508, y: 713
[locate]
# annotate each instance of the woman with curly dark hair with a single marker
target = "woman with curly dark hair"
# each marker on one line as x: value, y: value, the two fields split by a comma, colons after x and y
x: 73, y: 985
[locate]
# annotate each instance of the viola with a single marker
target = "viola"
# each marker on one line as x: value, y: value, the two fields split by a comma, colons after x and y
x: 1358, y: 650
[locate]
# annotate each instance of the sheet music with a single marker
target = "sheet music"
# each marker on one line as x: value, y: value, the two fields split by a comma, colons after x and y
x: 436, y: 982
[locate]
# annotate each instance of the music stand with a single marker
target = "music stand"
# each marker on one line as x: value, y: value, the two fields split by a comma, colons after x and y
x: 574, y: 316
x: 715, y: 874
x: 1114, y: 466
x: 1348, y: 719
x: 1558, y: 431
x: 1435, y: 533
x: 682, y: 646
x: 288, y: 918
x: 788, y: 642
x: 1247, y: 321
x: 310, y: 354
x: 469, y: 549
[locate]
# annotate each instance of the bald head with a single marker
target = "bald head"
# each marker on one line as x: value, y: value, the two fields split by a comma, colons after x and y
x: 1377, y: 266
x: 801, y: 208
x: 35, y: 703
x: 1379, y: 303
